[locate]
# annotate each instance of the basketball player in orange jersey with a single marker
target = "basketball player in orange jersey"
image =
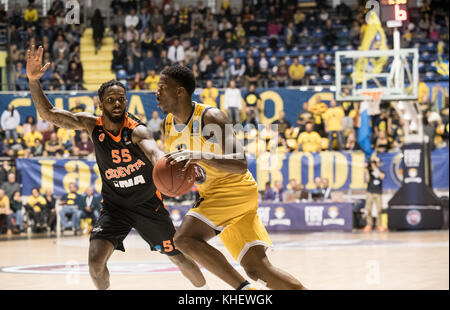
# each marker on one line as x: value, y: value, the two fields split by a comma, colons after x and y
x: 228, y: 193
x: 125, y: 153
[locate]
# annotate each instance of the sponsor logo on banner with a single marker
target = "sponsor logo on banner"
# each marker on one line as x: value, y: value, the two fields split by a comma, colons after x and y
x: 412, y: 158
x: 280, y: 220
x: 313, y: 216
x: 264, y: 215
x: 175, y: 215
x: 333, y: 213
x: 413, y: 217
x: 412, y: 176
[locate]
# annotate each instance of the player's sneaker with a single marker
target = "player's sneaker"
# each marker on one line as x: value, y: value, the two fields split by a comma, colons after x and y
x: 381, y: 229
x: 367, y: 229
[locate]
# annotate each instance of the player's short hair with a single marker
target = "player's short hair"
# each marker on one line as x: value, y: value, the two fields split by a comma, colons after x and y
x: 182, y: 75
x: 106, y: 85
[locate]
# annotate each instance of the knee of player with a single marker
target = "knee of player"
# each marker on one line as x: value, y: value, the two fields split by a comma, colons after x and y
x: 96, y: 261
x: 181, y: 242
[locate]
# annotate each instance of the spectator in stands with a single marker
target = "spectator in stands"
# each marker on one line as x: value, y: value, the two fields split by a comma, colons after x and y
x: 278, y: 191
x: 190, y: 56
x: 30, y: 138
x: 98, y: 29
x: 176, y: 52
x: 209, y: 94
x: 224, y: 73
x: 85, y: 146
x: 309, y: 140
x: 10, y: 120
x: 373, y: 176
x: 5, y: 213
x: 382, y: 144
x: 163, y: 61
x: 329, y: 34
x: 30, y: 16
x: 154, y: 124
x: 61, y: 64
x: 5, y: 169
x: 322, y: 65
x: 264, y: 69
x: 282, y: 123
x: 16, y: 16
x: 237, y: 70
x: 16, y: 211
x: 296, y: 72
x: 118, y: 21
x: 35, y: 209
x: 74, y: 77
x: 60, y: 45
x: 252, y: 102
x: 291, y: 194
x: 317, y: 193
x: 10, y: 186
x: 172, y: 28
x: 50, y: 209
x: 72, y: 204
x: 131, y: 34
x: 157, y: 19
x: 152, y: 79
x: 91, y: 207
x: 205, y: 66
x: 351, y: 144
x: 232, y: 102
x: 210, y: 24
x: 119, y: 57
x: 66, y: 137
x: 144, y: 18
x: 290, y: 34
x: 3, y: 14
x: 146, y: 41
x: 53, y: 147
x: 304, y: 117
x: 251, y: 74
x: 326, y: 189
x: 282, y: 73
x: 333, y: 124
x: 269, y: 193
x: 131, y: 19
x: 21, y: 77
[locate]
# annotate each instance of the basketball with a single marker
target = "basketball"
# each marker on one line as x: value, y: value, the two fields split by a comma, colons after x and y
x: 170, y: 180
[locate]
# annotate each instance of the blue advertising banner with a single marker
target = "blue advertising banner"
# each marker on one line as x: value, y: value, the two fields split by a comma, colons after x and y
x: 344, y: 171
x: 311, y: 216
x: 142, y: 104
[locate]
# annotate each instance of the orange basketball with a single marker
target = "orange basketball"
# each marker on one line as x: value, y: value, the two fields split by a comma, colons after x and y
x: 170, y: 180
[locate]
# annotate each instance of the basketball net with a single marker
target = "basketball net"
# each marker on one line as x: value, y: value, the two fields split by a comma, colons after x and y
x: 373, y: 101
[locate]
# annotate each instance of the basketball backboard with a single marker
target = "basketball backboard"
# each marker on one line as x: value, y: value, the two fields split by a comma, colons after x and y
x: 393, y: 72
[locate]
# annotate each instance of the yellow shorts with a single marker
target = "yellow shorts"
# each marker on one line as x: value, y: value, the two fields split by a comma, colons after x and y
x: 237, y: 220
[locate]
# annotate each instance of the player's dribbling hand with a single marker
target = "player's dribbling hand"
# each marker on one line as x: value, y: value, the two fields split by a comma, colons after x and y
x: 35, y: 70
x: 183, y: 156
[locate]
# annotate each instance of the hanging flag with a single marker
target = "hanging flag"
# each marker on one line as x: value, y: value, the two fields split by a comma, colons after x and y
x: 374, y: 39
x: 364, y: 129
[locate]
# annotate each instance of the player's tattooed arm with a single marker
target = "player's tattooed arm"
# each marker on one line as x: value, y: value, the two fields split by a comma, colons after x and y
x: 143, y: 137
x: 232, y: 158
x: 46, y: 110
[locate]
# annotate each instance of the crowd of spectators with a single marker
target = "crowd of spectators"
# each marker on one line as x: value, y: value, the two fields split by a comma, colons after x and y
x: 37, y: 138
x: 269, y: 43
x: 37, y: 212
x: 61, y: 42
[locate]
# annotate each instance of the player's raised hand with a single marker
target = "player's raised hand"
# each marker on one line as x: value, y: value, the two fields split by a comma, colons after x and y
x: 35, y: 70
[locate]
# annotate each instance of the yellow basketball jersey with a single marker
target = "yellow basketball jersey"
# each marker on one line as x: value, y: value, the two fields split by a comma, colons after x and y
x: 218, y: 182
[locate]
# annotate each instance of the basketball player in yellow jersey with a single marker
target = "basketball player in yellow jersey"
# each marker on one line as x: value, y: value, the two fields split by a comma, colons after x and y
x: 228, y: 193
